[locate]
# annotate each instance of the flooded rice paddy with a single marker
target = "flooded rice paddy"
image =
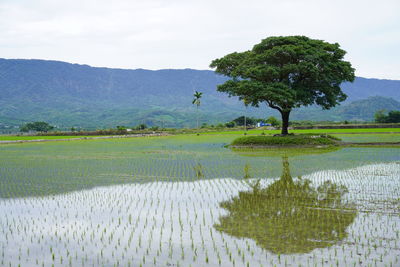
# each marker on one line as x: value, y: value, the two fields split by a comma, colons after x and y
x: 188, y: 201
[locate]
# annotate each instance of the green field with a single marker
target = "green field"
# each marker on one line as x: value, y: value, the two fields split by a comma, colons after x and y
x: 187, y: 200
x: 387, y: 134
x: 316, y: 131
x: 366, y: 138
x: 23, y: 137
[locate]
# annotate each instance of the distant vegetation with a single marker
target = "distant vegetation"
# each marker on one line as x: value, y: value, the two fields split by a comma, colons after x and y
x: 70, y: 95
x: 392, y: 117
x: 368, y: 107
x: 252, y: 121
x: 237, y: 125
x: 37, y: 126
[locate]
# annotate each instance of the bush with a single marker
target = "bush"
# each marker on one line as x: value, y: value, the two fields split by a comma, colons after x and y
x: 249, y: 121
x: 230, y: 124
x: 392, y: 117
x: 121, y: 128
x: 141, y: 127
x: 273, y: 121
x: 289, y: 140
x: 38, y: 126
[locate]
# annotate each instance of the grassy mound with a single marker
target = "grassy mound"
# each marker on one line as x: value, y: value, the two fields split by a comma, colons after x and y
x: 289, y: 140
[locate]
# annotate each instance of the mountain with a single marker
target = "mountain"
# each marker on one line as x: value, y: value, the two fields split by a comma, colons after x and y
x: 359, y: 110
x: 68, y: 95
x: 365, y: 109
x: 363, y: 88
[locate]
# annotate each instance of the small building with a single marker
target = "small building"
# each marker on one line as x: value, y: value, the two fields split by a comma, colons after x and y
x: 262, y: 124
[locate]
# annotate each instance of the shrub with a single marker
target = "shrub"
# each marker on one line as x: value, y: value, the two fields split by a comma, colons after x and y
x: 39, y: 126
x: 392, y: 117
x: 230, y: 124
x: 291, y: 140
x: 273, y: 121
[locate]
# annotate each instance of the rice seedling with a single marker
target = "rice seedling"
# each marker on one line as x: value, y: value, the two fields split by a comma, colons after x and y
x: 141, y: 203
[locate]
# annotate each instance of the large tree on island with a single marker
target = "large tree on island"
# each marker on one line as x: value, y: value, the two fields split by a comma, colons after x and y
x: 285, y: 73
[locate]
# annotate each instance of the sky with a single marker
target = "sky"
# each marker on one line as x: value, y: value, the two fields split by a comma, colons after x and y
x: 177, y: 34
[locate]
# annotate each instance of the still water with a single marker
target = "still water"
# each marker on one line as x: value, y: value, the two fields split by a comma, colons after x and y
x: 196, y: 203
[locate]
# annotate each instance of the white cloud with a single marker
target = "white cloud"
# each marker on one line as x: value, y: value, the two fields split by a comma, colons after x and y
x: 158, y: 34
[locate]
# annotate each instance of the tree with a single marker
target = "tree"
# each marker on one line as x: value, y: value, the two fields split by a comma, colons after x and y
x: 230, y: 124
x: 141, y: 126
x: 286, y: 73
x: 273, y: 121
x: 196, y: 101
x: 242, y: 120
x: 380, y: 116
x: 39, y: 126
x: 121, y: 128
x: 392, y: 117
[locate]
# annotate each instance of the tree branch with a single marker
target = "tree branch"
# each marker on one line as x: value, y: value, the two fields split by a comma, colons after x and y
x: 273, y: 106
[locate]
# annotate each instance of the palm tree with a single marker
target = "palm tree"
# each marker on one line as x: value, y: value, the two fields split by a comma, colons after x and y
x: 246, y: 103
x: 196, y: 101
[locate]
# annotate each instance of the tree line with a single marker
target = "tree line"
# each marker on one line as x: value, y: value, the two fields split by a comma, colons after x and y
x: 392, y: 116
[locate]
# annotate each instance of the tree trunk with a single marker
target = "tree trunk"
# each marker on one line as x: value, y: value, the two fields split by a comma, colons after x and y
x: 197, y: 117
x: 285, y: 122
x: 286, y: 177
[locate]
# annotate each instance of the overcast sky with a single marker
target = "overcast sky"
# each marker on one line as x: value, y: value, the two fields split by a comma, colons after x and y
x: 156, y: 34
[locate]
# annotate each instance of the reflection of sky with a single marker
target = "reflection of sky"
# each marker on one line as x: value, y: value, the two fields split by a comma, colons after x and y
x: 53, y: 168
x: 67, y: 222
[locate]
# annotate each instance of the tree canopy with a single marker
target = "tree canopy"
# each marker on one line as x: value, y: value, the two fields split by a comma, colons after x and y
x: 39, y: 126
x: 241, y: 120
x: 197, y: 95
x: 286, y: 73
x: 392, y: 117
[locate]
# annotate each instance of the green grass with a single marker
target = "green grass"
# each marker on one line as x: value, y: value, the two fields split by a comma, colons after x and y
x: 369, y: 138
x: 289, y: 140
x: 359, y: 130
x: 238, y: 132
x: 316, y: 131
x: 16, y: 138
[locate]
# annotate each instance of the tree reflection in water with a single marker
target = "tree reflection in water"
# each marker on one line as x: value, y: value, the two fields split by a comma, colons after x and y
x: 289, y: 216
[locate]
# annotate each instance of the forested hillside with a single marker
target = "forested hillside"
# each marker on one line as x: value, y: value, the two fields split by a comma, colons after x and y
x: 79, y: 95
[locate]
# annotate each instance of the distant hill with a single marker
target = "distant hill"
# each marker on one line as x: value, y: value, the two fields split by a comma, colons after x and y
x: 68, y: 95
x: 363, y: 88
x: 360, y: 110
x: 365, y: 109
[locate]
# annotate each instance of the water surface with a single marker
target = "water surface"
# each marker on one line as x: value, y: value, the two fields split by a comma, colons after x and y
x: 188, y: 201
